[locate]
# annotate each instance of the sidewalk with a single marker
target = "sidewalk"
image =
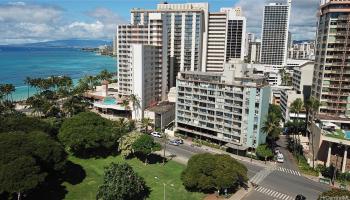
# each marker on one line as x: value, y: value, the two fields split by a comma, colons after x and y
x: 237, y: 157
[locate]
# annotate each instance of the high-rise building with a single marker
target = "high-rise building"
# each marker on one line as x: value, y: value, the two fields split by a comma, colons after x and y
x: 331, y: 80
x: 302, y: 51
x: 152, y: 34
x: 226, y: 33
x: 275, y: 32
x: 144, y: 63
x: 228, y: 108
x: 250, y: 37
x: 186, y: 34
x: 254, y: 52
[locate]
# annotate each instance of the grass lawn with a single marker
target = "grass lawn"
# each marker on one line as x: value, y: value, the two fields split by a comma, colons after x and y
x: 168, y: 174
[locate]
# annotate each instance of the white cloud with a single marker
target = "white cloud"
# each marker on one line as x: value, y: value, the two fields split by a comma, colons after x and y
x: 302, y: 21
x: 22, y: 22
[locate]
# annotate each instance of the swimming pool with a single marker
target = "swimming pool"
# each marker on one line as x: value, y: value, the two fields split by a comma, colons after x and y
x: 347, y: 135
x: 109, y: 101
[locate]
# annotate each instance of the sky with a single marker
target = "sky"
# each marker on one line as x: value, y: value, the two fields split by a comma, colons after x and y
x: 43, y: 20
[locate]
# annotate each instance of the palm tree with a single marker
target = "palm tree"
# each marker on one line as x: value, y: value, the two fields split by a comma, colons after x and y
x: 28, y: 81
x: 125, y: 104
x: 312, y: 106
x: 271, y: 125
x: 297, y: 106
x: 105, y: 75
x: 122, y: 125
x: 145, y: 123
x: 135, y: 100
x: 7, y: 90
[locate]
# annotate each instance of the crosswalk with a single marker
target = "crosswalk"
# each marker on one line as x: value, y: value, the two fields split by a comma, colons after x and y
x: 290, y: 171
x: 274, y: 194
x: 261, y: 175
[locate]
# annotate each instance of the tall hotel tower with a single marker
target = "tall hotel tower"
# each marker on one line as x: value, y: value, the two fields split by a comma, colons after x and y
x: 275, y: 33
x: 186, y: 34
x: 226, y: 38
x: 331, y: 81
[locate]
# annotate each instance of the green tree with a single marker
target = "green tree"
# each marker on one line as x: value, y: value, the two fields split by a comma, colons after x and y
x: 208, y: 172
x: 145, y: 123
x: 296, y: 107
x: 264, y: 152
x: 312, y: 106
x: 276, y: 109
x: 120, y: 182
x: 271, y: 126
x: 7, y: 90
x: 122, y: 125
x: 88, y: 134
x: 105, y: 75
x: 145, y: 145
x: 20, y: 175
x: 126, y: 143
x: 135, y: 100
x: 27, y: 158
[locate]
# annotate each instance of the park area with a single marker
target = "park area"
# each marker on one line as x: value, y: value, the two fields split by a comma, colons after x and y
x: 155, y: 176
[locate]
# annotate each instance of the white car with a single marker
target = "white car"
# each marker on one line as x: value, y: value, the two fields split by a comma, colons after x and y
x: 280, y: 158
x: 156, y: 134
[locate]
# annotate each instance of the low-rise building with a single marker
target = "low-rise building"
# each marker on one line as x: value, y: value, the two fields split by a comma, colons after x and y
x: 302, y: 80
x: 330, y: 145
x: 162, y: 114
x: 228, y: 108
x: 287, y: 98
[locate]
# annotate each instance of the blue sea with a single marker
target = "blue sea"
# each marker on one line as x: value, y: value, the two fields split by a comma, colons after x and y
x: 16, y: 63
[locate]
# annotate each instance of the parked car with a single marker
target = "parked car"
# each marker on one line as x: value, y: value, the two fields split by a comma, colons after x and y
x: 173, y: 142
x: 300, y: 197
x: 280, y: 158
x: 156, y: 134
x: 179, y: 141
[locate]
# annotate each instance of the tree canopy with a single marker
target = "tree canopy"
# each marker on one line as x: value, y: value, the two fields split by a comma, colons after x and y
x: 264, y: 152
x: 126, y: 143
x: 88, y: 134
x: 120, y: 182
x: 28, y: 158
x: 145, y: 145
x: 208, y: 172
x: 19, y: 122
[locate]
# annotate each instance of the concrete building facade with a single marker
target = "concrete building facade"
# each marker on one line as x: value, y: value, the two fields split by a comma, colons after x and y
x: 228, y: 108
x: 274, y: 37
x: 331, y: 79
x: 254, y: 51
x: 226, y: 36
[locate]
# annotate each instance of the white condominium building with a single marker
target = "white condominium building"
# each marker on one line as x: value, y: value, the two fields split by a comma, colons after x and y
x: 304, y: 50
x: 228, y: 108
x: 226, y: 36
x: 144, y: 66
x: 186, y: 33
x: 254, y: 50
x: 152, y: 33
x: 275, y: 32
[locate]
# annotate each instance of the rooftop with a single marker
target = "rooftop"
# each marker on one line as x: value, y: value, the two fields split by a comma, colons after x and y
x: 162, y: 107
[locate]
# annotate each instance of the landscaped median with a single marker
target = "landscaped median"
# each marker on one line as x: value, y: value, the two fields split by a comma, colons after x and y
x: 155, y: 176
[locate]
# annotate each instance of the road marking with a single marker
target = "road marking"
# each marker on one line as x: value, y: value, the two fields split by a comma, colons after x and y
x: 273, y: 193
x: 261, y: 175
x: 289, y: 171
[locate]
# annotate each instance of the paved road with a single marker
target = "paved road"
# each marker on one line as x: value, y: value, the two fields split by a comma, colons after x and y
x: 284, y: 181
x: 186, y: 151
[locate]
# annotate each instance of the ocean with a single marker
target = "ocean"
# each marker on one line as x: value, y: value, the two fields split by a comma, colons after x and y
x: 16, y: 63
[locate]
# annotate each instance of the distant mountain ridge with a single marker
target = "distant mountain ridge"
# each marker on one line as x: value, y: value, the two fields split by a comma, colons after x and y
x: 70, y: 43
